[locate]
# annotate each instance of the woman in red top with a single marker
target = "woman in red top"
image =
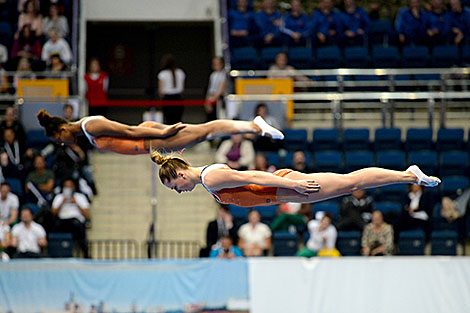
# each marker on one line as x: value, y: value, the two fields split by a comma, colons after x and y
x: 97, y: 82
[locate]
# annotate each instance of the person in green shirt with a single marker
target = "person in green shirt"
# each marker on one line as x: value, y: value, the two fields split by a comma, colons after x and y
x: 41, y: 178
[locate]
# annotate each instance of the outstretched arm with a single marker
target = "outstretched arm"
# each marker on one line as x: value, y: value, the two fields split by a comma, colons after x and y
x: 103, y: 127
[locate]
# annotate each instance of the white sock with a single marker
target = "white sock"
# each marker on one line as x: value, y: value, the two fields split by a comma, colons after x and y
x: 268, y: 129
x: 423, y: 179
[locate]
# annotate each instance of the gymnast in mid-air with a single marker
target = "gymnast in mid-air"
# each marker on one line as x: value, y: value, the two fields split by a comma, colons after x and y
x: 120, y: 138
x: 257, y: 188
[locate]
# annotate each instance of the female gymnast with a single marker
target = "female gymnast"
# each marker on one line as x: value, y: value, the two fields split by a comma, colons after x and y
x: 112, y: 136
x: 255, y: 188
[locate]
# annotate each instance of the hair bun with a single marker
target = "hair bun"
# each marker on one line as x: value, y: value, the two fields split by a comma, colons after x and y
x: 157, y: 158
x: 43, y: 117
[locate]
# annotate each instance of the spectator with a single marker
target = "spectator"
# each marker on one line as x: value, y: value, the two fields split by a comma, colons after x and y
x: 28, y: 160
x: 437, y: 24
x: 222, y: 226
x: 40, y: 182
x: 97, y: 82
x: 68, y: 161
x: 255, y: 237
x: 459, y: 23
x: 56, y: 45
x: 28, y: 236
x: 242, y: 25
x: 417, y: 209
x: 236, y: 152
x: 451, y: 210
x: 377, y: 238
x: 57, y: 21
x: 261, y: 163
x: 31, y: 16
x: 322, y: 236
x: 355, y: 23
x: 170, y: 87
x: 57, y: 66
x: 22, y: 4
x: 67, y: 112
x: 281, y: 64
x: 27, y: 45
x: 296, y: 25
x: 5, y: 241
x: 8, y: 169
x: 216, y: 90
x: 262, y: 110
x: 327, y: 25
x: 265, y: 143
x: 227, y: 249
x: 12, y: 147
x: 72, y: 210
x: 3, y: 54
x: 9, y: 204
x: 299, y: 162
x: 23, y: 71
x: 4, y: 84
x: 291, y: 217
x: 411, y: 24
x: 355, y: 211
x: 11, y: 121
x: 269, y: 21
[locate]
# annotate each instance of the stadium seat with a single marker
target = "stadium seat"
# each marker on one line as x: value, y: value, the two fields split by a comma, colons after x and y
x: 390, y: 210
x: 328, y: 57
x: 295, y: 139
x: 418, y: 139
x: 348, y: 243
x: 394, y: 160
x: 267, y: 212
x: 328, y: 162
x: 445, y: 56
x: 387, y: 139
x: 273, y: 159
x: 268, y: 55
x: 37, y: 139
x: 439, y: 222
x: 60, y: 245
x: 452, y: 184
x: 356, y: 57
x: 385, y: 57
x: 356, y: 139
x: 466, y: 56
x: 411, y: 242
x: 240, y: 214
x: 325, y: 139
x: 300, y: 57
x: 288, y: 159
x: 327, y: 206
x: 426, y: 160
x: 391, y: 193
x: 415, y: 56
x: 453, y: 163
x: 284, y: 243
x: 450, y: 139
x: 379, y: 32
x: 32, y: 206
x: 244, y: 58
x: 443, y: 242
x: 356, y: 160
x: 15, y: 185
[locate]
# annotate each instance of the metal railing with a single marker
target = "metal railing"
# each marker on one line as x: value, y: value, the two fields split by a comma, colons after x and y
x: 114, y: 249
x: 173, y: 249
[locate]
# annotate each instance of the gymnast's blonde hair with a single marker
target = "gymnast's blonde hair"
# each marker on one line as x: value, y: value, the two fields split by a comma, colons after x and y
x: 169, y: 165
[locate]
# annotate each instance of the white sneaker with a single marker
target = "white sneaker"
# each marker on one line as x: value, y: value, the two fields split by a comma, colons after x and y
x: 423, y: 179
x: 267, y: 129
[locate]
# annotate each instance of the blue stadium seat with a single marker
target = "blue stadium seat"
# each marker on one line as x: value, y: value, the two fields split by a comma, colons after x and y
x: 418, y: 139
x: 450, y: 139
x: 37, y: 139
x: 411, y: 242
x: 391, y: 193
x: 466, y: 56
x: 328, y: 162
x: 445, y: 56
x: 288, y: 159
x: 60, y: 245
x: 284, y: 243
x: 267, y: 212
x: 451, y: 184
x: 356, y: 139
x: 15, y: 185
x: 328, y: 57
x: 426, y: 160
x: 394, y: 160
x: 415, y: 56
x: 5, y: 33
x: 295, y: 139
x: 385, y: 57
x: 379, y: 32
x: 325, y: 139
x: 327, y: 206
x: 240, y: 214
x: 441, y: 223
x: 387, y: 139
x: 268, y: 55
x: 453, y: 163
x: 356, y: 160
x: 273, y: 159
x: 390, y: 210
x: 348, y: 243
x: 356, y: 57
x: 300, y: 57
x: 244, y: 58
x: 32, y: 206
x: 444, y: 242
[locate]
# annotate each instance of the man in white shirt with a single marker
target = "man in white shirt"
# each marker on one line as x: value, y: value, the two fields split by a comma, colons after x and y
x: 56, y: 45
x: 72, y: 210
x: 5, y: 239
x: 9, y: 204
x: 28, y: 236
x: 255, y: 237
x: 322, y: 236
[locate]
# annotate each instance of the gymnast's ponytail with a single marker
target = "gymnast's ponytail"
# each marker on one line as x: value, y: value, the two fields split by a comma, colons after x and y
x: 50, y: 123
x: 169, y: 165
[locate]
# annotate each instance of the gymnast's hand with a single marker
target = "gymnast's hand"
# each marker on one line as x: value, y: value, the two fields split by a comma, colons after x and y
x: 173, y: 129
x: 306, y: 187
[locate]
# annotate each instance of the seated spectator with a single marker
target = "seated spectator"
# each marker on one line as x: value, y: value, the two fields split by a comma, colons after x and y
x: 56, y: 45
x: 9, y: 204
x: 22, y: 4
x: 222, y: 226
x: 261, y: 163
x: 291, y: 217
x: 355, y: 211
x: 5, y: 241
x: 296, y: 25
x: 13, y: 148
x: 459, y: 23
x: 451, y: 210
x: 227, y: 249
x: 322, y: 236
x: 28, y: 236
x: 411, y: 24
x: 355, y: 23
x: 8, y: 169
x: 23, y: 71
x: 262, y: 110
x: 72, y: 210
x: 281, y: 64
x: 417, y: 210
x: 27, y: 45
x: 217, y: 89
x: 40, y: 182
x: 377, y: 238
x: 299, y: 162
x: 31, y: 16
x: 269, y: 21
x: 11, y: 121
x: 236, y: 152
x: 3, y: 54
x: 57, y: 66
x: 68, y: 161
x: 265, y: 143
x: 57, y: 21
x: 242, y: 25
x: 437, y: 24
x: 326, y: 24
x: 68, y: 113
x: 255, y: 237
x: 28, y: 161
x: 97, y: 82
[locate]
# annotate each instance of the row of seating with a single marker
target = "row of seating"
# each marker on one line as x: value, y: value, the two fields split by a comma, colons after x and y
x: 248, y: 58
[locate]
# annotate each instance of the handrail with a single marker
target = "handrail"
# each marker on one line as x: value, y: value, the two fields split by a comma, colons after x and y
x: 70, y: 73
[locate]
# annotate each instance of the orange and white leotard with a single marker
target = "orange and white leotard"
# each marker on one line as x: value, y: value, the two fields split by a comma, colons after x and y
x: 245, y: 196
